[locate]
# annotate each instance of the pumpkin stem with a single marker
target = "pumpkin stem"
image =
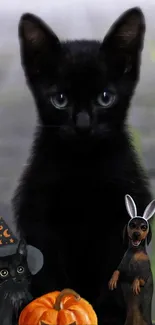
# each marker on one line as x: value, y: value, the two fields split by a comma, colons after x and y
x: 65, y: 292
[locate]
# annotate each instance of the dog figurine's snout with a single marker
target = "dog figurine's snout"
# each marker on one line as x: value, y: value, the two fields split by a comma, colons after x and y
x: 136, y: 235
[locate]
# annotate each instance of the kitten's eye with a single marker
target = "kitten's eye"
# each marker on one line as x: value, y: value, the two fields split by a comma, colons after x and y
x: 106, y: 99
x: 20, y: 269
x: 59, y: 100
x: 4, y: 273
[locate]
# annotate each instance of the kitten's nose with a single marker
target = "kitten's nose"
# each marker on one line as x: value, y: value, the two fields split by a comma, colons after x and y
x: 83, y: 121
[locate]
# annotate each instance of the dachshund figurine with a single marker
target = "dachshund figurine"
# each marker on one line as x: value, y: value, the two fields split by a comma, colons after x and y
x: 134, y: 272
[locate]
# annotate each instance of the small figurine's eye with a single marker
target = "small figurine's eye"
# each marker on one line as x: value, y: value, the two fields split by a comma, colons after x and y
x: 20, y: 269
x: 144, y: 227
x: 4, y: 273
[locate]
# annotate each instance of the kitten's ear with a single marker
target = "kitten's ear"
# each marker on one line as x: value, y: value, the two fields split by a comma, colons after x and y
x: 22, y: 248
x: 36, y: 38
x: 126, y: 35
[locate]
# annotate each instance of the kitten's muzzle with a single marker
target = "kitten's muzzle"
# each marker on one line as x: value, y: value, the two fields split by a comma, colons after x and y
x: 17, y: 280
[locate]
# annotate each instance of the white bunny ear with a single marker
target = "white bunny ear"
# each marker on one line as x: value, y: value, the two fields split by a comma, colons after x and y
x: 130, y: 206
x: 149, y: 211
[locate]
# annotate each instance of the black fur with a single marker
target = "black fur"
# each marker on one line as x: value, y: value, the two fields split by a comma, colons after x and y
x: 15, y: 280
x: 83, y: 161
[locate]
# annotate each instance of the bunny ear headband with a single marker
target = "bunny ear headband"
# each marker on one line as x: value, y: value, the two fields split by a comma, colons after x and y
x: 132, y: 210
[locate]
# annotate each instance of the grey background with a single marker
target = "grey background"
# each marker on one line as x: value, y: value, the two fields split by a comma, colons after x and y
x: 69, y: 19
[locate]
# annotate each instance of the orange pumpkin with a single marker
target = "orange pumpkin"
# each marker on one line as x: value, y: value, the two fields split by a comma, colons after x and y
x: 42, y: 323
x: 58, y: 308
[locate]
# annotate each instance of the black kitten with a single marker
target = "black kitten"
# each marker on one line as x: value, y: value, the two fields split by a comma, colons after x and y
x: 14, y: 285
x: 82, y: 162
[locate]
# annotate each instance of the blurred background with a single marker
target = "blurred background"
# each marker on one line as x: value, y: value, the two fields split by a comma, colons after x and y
x: 69, y: 19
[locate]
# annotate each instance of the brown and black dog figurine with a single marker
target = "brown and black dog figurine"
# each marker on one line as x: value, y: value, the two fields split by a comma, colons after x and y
x: 134, y: 272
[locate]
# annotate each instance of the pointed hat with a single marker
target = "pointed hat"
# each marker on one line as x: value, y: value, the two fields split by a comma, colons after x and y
x: 9, y: 245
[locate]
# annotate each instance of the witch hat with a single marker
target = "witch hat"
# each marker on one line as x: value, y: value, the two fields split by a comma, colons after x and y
x: 6, y: 235
x: 10, y: 245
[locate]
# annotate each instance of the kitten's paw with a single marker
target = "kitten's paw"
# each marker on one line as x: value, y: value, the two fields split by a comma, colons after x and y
x: 136, y: 286
x: 113, y: 281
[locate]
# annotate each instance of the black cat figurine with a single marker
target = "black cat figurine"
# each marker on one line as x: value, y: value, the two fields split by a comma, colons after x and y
x: 18, y: 263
